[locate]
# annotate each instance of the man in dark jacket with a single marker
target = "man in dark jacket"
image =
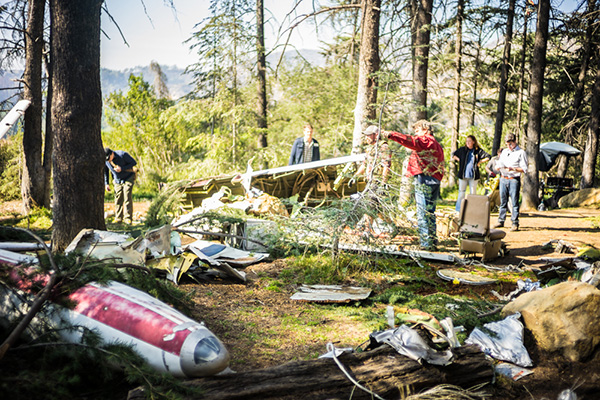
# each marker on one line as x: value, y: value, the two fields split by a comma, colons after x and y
x: 305, y: 149
x: 122, y: 167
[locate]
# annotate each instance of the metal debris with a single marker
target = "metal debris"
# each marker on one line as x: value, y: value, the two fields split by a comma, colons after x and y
x: 330, y: 293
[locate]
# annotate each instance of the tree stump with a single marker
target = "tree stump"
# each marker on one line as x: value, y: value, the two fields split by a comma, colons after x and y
x: 381, y: 370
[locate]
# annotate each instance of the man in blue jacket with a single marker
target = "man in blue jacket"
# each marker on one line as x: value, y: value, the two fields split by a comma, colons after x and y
x: 123, y: 169
x: 305, y: 149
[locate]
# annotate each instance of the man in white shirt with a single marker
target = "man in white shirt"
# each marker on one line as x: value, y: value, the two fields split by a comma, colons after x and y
x: 511, y: 164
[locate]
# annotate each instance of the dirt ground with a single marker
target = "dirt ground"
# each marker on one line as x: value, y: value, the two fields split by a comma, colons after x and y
x: 257, y: 338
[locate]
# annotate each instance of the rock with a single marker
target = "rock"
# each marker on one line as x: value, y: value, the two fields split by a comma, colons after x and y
x: 580, y: 198
x: 563, y: 318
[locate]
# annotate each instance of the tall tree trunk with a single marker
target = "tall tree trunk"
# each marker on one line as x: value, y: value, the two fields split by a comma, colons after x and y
x: 518, y: 129
x: 590, y: 153
x: 508, y: 36
x: 563, y: 161
x: 458, y: 76
x: 262, y: 74
x: 78, y: 161
x: 49, y: 140
x: 368, y: 66
x: 534, y: 118
x: 32, y: 184
x: 476, y: 77
x: 420, y: 28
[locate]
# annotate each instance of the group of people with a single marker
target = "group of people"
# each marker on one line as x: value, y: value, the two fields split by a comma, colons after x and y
x: 426, y: 167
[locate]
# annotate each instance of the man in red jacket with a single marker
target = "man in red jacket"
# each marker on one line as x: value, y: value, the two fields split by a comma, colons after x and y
x: 426, y: 165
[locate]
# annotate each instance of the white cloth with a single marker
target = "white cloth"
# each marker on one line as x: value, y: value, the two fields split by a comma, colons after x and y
x: 516, y: 158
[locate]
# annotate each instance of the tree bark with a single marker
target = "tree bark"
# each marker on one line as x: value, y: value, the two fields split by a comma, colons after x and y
x: 49, y: 142
x: 76, y: 113
x: 475, y: 77
x: 563, y: 161
x: 503, y: 89
x: 534, y: 118
x: 590, y: 153
x: 382, y: 370
x: 262, y: 74
x: 456, y: 100
x: 32, y: 183
x: 420, y: 28
x: 368, y: 66
x: 518, y: 130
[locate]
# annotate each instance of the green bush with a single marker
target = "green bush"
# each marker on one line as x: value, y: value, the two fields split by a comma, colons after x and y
x: 10, y: 165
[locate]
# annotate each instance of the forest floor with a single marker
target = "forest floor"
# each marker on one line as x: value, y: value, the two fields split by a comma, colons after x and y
x: 231, y: 311
x: 253, y: 318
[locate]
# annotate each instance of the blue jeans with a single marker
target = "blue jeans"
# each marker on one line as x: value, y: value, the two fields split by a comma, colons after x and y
x: 462, y: 188
x: 509, y: 188
x: 427, y: 191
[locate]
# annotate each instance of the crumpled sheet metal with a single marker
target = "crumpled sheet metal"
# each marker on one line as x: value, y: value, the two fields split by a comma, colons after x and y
x: 216, y: 253
x: 507, y: 343
x: 409, y: 343
x: 330, y: 293
x: 106, y: 245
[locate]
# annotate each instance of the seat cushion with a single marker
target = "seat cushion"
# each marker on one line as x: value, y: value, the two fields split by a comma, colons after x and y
x: 496, y: 234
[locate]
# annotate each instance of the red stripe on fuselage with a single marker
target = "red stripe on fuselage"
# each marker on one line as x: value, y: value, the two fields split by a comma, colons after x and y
x: 128, y: 317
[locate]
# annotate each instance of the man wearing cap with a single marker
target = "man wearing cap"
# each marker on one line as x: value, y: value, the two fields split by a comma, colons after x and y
x: 376, y: 168
x: 426, y: 165
x: 511, y: 164
x: 305, y: 149
x: 378, y: 160
x: 122, y: 167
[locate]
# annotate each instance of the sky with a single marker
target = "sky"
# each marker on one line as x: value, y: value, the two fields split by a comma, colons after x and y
x: 154, y: 32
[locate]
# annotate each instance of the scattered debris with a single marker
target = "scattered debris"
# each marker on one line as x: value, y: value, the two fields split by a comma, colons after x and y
x: 514, y: 372
x: 560, y: 246
x: 312, y: 181
x: 175, y: 266
x: 227, y: 254
x: 464, y: 277
x: 109, y: 245
x: 407, y: 341
x: 523, y: 286
x: 20, y: 246
x: 502, y: 340
x: 330, y: 293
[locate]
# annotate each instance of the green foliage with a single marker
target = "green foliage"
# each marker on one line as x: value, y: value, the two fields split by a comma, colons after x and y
x: 321, y: 96
x: 62, y: 370
x: 10, y: 168
x: 165, y: 204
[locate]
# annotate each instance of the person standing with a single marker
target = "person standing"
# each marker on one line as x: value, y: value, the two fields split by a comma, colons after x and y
x: 305, y: 149
x: 511, y: 164
x: 426, y: 165
x: 123, y: 169
x: 469, y: 158
x: 376, y: 168
x: 378, y: 161
x: 490, y: 167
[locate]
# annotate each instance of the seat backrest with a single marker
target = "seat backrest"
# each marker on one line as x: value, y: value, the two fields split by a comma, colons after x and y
x: 475, y: 215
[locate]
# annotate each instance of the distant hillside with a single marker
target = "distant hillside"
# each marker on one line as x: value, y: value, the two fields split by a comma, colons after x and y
x: 179, y: 84
x: 7, y: 80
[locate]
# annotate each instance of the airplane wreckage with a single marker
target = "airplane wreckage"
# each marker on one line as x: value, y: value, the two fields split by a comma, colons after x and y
x: 315, y: 182
x: 167, y: 339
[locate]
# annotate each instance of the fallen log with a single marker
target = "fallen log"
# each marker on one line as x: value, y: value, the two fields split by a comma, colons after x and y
x: 382, y: 370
